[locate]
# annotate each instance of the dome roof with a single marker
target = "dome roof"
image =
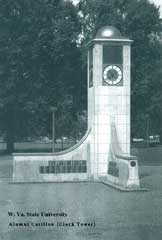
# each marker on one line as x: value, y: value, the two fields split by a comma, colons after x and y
x: 108, y: 32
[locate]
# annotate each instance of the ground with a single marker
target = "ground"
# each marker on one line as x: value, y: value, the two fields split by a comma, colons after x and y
x: 117, y: 215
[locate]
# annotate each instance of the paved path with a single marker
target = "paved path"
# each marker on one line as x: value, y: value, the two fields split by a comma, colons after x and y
x: 117, y: 216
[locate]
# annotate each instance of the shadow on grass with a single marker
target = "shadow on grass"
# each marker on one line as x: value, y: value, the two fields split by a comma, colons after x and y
x: 31, y: 150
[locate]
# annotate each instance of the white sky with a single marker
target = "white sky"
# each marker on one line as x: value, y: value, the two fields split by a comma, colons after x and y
x: 157, y: 2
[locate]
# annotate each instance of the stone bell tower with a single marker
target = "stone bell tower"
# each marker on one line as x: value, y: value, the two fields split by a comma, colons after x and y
x: 109, y: 61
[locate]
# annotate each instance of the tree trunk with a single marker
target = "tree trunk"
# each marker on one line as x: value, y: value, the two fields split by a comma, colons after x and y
x: 161, y: 134
x: 10, y: 124
x: 10, y: 147
x: 10, y: 142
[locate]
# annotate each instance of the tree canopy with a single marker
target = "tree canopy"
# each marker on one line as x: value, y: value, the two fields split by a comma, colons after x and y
x: 140, y: 21
x: 39, y: 59
x: 42, y: 62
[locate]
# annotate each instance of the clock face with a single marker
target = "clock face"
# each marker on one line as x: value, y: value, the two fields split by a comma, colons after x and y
x: 112, y: 75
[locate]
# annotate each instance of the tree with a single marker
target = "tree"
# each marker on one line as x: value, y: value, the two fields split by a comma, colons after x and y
x: 37, y: 51
x: 139, y: 20
x: 42, y: 60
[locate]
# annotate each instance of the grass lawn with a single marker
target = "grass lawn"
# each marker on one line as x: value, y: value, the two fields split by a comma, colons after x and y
x: 117, y: 216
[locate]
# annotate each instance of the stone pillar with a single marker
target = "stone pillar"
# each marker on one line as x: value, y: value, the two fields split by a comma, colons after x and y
x: 106, y: 102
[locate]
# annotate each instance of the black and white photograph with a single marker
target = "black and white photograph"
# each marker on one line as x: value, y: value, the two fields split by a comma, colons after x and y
x: 80, y: 120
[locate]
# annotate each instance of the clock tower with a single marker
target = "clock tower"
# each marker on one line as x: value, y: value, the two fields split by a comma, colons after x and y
x: 109, y: 62
x: 104, y: 152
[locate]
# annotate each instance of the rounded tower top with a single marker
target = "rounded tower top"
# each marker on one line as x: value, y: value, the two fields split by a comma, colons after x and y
x: 108, y: 32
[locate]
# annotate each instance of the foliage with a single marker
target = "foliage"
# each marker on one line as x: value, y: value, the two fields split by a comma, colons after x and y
x: 38, y: 61
x: 43, y: 60
x: 139, y: 20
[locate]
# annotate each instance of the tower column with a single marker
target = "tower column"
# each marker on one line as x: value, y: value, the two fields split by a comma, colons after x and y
x: 97, y: 64
x: 108, y: 95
